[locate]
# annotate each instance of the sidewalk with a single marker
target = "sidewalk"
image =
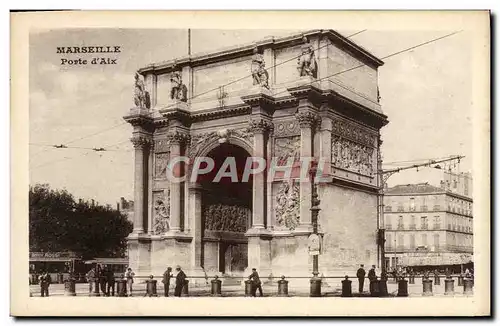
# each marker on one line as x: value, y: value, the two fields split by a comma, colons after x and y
x: 139, y: 290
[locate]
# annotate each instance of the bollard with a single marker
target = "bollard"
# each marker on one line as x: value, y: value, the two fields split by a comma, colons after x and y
x: 185, y: 289
x: 403, y: 288
x: 282, y: 287
x: 248, y: 288
x: 151, y: 287
x: 427, y: 287
x: 460, y: 280
x: 315, y: 287
x: 437, y: 280
x: 216, y: 287
x: 69, y: 287
x: 468, y: 286
x: 374, y: 288
x: 96, y: 288
x: 121, y: 288
x: 346, y: 287
x: 382, y: 288
x: 449, y: 286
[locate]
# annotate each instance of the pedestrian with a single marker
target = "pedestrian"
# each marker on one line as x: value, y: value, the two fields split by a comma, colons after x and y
x: 166, y: 280
x: 256, y: 283
x: 103, y: 278
x: 129, y: 275
x: 91, y: 275
x: 360, y: 274
x: 110, y: 278
x: 45, y: 281
x: 372, y: 277
x: 180, y: 281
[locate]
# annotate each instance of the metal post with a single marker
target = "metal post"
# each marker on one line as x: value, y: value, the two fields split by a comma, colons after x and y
x: 315, y: 280
x: 216, y: 287
x: 282, y: 287
x: 346, y: 287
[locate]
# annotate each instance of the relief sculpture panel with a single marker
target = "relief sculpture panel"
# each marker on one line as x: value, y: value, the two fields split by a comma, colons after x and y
x: 161, y: 161
x: 352, y: 156
x: 224, y: 217
x: 287, y: 209
x: 284, y: 148
x: 161, y: 213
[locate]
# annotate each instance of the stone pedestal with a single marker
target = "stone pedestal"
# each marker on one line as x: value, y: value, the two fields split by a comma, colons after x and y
x: 449, y: 286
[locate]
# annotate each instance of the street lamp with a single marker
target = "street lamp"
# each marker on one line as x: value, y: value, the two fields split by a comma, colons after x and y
x: 314, y: 241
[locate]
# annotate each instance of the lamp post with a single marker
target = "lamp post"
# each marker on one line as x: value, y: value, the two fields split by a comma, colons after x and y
x: 314, y: 243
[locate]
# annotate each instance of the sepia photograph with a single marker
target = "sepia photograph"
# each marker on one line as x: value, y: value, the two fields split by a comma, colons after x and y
x: 345, y: 163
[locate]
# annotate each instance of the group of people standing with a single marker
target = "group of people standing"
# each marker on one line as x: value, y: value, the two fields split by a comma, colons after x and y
x: 372, y: 277
x: 180, y: 281
x: 105, y: 280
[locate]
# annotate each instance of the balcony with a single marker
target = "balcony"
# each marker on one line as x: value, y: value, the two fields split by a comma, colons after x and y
x: 388, y: 226
x: 436, y: 207
x: 401, y: 226
x: 424, y: 208
x: 436, y: 226
x: 388, y: 208
x: 424, y: 227
x: 413, y: 227
x: 401, y: 209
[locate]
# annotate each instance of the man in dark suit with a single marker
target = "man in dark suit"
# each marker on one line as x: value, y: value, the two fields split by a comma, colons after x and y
x: 256, y: 284
x: 360, y: 274
x: 166, y: 279
x: 372, y: 276
x: 110, y: 278
x: 180, y: 281
x: 45, y: 281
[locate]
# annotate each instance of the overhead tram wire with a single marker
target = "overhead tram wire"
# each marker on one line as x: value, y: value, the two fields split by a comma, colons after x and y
x: 346, y: 70
x: 197, y: 95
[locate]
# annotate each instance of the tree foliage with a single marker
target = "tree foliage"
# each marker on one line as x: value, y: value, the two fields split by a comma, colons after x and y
x: 59, y: 223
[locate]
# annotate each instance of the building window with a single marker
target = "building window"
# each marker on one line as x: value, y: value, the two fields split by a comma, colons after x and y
x: 424, y: 240
x: 388, y: 242
x: 436, y: 242
x: 437, y: 223
x: 412, y: 241
x: 400, y: 222
x: 412, y: 204
x: 388, y: 208
x: 423, y: 223
x: 388, y: 224
x: 401, y: 242
x: 413, y: 223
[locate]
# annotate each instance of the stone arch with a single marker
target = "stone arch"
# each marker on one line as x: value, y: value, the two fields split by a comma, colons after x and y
x: 214, y: 142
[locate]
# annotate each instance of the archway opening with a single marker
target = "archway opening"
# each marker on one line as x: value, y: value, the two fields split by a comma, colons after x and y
x: 226, y: 212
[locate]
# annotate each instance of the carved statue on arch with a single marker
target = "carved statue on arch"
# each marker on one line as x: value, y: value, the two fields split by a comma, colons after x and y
x: 178, y: 91
x: 259, y: 72
x: 306, y: 64
x: 141, y: 96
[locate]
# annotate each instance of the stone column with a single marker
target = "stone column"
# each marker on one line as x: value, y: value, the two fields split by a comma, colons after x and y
x: 141, y: 145
x: 196, y: 226
x: 307, y: 121
x: 175, y: 139
x: 259, y: 126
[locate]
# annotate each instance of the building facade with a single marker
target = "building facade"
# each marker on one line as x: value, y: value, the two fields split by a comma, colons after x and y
x: 429, y: 226
x: 297, y: 96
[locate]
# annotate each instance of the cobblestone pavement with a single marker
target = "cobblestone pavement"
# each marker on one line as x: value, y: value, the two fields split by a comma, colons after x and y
x: 139, y: 290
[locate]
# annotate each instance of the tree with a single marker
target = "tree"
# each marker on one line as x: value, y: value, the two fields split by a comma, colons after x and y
x: 59, y: 223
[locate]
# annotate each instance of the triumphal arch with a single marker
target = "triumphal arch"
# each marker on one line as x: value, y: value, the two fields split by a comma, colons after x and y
x: 308, y: 95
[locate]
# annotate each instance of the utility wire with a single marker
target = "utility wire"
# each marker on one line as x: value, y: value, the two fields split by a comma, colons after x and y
x: 335, y: 74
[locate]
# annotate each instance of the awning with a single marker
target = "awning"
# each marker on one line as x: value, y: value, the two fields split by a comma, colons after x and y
x: 439, y: 259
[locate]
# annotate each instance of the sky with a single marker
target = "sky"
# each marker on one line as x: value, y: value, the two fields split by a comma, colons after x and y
x: 425, y: 92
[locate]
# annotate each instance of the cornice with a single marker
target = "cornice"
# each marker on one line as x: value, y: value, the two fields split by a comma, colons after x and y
x: 270, y: 42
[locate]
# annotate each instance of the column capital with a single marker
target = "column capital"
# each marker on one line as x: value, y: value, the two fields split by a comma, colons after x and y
x: 307, y: 119
x: 177, y: 138
x: 260, y: 125
x: 141, y: 142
